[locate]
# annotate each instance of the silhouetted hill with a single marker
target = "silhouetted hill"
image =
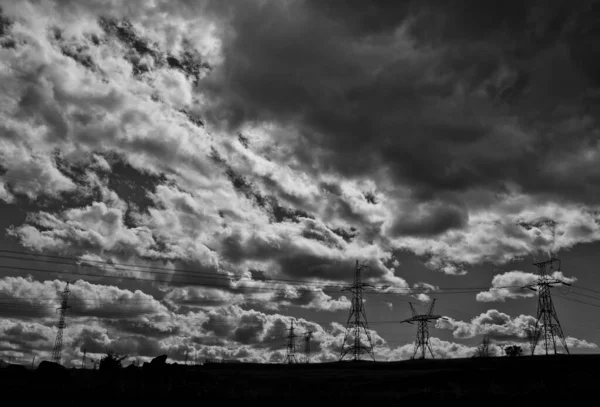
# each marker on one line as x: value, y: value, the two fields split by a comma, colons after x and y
x: 490, y: 381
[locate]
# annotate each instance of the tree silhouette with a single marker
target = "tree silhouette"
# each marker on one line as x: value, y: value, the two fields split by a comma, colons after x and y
x: 484, y: 350
x: 111, y: 361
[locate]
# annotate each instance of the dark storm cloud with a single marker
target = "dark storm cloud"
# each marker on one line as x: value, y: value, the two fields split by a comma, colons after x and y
x: 249, y: 329
x: 432, y: 220
x: 446, y: 95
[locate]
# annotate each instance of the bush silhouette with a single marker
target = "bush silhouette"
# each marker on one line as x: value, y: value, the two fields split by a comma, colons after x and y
x: 111, y: 361
x: 513, y: 351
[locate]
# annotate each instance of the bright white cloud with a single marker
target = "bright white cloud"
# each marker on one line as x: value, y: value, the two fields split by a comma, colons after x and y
x: 496, y: 324
x: 510, y: 285
x: 441, y: 350
x: 506, y: 231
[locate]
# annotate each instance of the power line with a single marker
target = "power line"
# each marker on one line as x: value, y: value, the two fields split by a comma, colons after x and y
x: 170, y: 272
x: 581, y: 302
x: 401, y: 291
x: 585, y: 288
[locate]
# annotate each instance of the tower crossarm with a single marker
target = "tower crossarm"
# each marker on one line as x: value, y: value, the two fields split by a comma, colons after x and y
x: 550, y: 282
x: 417, y: 318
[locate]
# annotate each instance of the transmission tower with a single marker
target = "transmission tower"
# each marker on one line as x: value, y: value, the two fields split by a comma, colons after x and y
x: 307, y: 338
x: 357, y: 320
x: 422, y: 320
x: 290, y: 355
x: 56, y: 352
x: 547, y: 325
x: 83, y: 358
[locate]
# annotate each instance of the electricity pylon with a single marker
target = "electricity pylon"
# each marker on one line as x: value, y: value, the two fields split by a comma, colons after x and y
x: 357, y: 320
x: 290, y: 354
x: 307, y: 338
x: 546, y: 314
x: 57, y: 350
x: 422, y: 341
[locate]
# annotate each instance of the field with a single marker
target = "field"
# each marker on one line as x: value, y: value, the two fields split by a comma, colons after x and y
x: 492, y: 381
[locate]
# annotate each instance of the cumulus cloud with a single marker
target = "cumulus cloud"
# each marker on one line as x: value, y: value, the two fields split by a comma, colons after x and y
x: 5, y: 195
x: 510, y: 285
x: 153, y: 71
x: 579, y: 343
x: 506, y: 231
x: 441, y: 350
x: 35, y: 297
x: 496, y: 324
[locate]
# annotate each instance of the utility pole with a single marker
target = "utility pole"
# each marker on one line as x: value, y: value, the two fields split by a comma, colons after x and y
x: 290, y: 355
x: 546, y: 314
x: 186, y: 355
x: 56, y: 352
x: 33, y: 362
x: 307, y: 338
x: 357, y: 320
x: 83, y: 358
x: 422, y: 320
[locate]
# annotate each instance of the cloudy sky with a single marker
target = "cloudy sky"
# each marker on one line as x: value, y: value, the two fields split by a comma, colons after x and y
x: 204, y: 172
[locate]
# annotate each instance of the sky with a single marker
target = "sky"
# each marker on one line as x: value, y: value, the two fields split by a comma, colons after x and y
x: 202, y: 173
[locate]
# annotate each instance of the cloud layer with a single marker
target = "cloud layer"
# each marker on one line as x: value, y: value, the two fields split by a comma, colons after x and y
x: 180, y: 154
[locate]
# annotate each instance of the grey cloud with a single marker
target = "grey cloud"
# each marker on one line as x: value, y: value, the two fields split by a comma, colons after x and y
x: 579, y: 343
x: 249, y: 329
x: 497, y: 325
x: 430, y: 220
x: 430, y: 135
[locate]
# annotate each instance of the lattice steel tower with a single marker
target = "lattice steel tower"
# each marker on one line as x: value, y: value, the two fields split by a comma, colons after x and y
x: 357, y: 325
x: 290, y: 354
x: 422, y: 320
x: 546, y: 314
x: 56, y: 352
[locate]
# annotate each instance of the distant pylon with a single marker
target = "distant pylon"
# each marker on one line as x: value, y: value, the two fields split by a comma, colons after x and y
x: 56, y: 352
x: 83, y: 358
x: 422, y: 341
x: 307, y: 338
x: 546, y: 314
x: 357, y: 320
x: 290, y: 354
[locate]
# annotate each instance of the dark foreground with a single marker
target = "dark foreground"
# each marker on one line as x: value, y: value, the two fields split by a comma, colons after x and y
x: 484, y: 382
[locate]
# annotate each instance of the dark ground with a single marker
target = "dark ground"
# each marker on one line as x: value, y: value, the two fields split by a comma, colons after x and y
x: 493, y: 381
